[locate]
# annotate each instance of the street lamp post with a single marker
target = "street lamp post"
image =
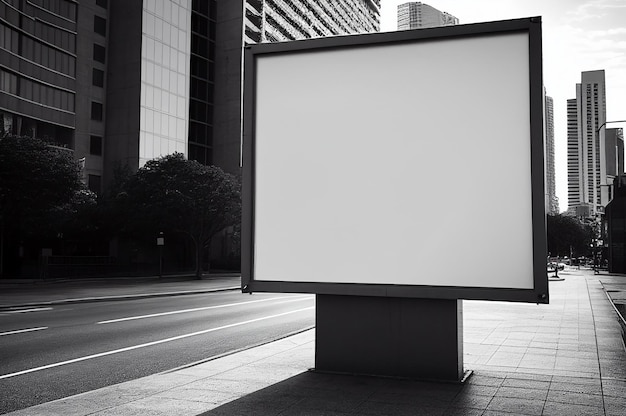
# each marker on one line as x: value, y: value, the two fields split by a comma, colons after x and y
x: 160, y: 244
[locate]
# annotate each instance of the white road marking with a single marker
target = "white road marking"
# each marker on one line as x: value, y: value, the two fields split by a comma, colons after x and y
x: 20, y: 331
x: 148, y: 344
x: 204, y: 308
x: 28, y: 310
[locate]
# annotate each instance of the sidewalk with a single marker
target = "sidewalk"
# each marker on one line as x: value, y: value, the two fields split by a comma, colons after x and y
x: 564, y: 358
x: 16, y: 294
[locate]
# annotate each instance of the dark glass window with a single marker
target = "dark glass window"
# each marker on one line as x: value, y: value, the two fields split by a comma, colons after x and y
x: 102, y: 3
x: 99, y: 53
x: 95, y: 145
x: 94, y: 183
x: 100, y: 25
x: 96, y: 111
x: 98, y: 78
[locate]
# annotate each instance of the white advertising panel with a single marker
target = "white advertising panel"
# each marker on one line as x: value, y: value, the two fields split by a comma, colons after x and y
x: 396, y: 163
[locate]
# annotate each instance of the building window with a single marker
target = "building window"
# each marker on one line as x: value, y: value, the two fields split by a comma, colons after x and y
x: 100, y: 25
x: 95, y: 145
x: 102, y: 3
x: 94, y: 183
x: 98, y: 78
x: 96, y: 111
x: 99, y: 53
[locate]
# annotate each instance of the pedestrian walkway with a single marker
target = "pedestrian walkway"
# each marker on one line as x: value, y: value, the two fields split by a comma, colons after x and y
x: 19, y: 294
x: 565, y: 358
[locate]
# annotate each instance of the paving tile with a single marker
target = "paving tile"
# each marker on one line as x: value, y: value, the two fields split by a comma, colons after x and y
x: 576, y: 388
x: 156, y: 406
x: 397, y: 409
x: 560, y: 409
x: 574, y: 398
x: 614, y: 388
x: 615, y: 406
x: 540, y: 384
x: 516, y: 405
x: 522, y: 393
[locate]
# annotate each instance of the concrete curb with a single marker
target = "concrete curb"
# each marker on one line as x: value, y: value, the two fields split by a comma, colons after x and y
x: 114, y: 297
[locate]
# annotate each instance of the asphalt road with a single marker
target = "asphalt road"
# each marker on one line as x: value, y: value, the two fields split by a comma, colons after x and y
x: 53, y: 352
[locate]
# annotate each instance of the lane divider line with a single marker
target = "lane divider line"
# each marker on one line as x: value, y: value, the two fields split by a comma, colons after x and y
x: 21, y: 331
x: 149, y: 344
x: 28, y: 310
x: 204, y: 308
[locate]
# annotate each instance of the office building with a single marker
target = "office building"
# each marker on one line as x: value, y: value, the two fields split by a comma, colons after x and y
x: 593, y: 151
x: 275, y: 20
x: 552, y: 202
x: 123, y: 82
x: 418, y: 15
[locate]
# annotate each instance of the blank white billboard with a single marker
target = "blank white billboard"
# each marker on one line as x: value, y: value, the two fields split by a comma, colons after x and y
x: 402, y: 163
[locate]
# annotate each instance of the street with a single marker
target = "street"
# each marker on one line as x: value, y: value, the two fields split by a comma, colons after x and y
x: 61, y: 350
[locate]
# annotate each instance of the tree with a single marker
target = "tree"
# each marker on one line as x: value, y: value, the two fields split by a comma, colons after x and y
x: 184, y: 196
x: 568, y: 236
x: 39, y: 184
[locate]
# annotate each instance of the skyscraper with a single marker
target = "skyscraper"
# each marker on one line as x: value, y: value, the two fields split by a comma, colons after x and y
x: 418, y: 15
x: 273, y: 21
x: 591, y: 166
x: 552, y: 202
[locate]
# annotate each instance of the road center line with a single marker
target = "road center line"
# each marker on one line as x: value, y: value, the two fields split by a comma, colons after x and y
x: 149, y: 344
x: 20, y: 331
x: 204, y: 308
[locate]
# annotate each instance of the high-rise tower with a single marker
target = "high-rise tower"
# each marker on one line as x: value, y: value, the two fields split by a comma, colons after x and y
x: 589, y: 179
x: 418, y: 15
x: 552, y: 202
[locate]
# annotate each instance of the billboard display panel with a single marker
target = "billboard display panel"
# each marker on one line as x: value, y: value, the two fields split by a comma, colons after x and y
x: 397, y: 164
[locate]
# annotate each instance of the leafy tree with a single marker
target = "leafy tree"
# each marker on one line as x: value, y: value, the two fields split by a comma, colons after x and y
x: 178, y: 195
x: 566, y: 234
x: 39, y: 184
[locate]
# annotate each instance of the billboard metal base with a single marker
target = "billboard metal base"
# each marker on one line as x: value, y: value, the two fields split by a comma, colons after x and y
x: 393, y: 337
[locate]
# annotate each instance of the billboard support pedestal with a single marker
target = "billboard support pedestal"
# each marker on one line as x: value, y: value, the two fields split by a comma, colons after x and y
x: 388, y: 336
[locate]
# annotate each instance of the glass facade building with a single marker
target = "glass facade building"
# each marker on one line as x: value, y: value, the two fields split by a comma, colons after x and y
x: 38, y: 63
x: 165, y: 78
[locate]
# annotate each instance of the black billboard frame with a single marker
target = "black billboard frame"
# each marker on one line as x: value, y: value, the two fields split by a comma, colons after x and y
x: 537, y: 294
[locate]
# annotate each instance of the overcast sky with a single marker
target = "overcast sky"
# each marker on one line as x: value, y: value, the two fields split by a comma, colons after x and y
x: 578, y: 36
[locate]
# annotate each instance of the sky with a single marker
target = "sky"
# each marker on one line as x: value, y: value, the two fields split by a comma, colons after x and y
x: 578, y: 35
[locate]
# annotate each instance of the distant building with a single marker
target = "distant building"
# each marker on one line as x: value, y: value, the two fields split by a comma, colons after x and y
x: 591, y: 166
x: 275, y: 21
x: 552, y: 202
x: 616, y: 228
x: 418, y: 15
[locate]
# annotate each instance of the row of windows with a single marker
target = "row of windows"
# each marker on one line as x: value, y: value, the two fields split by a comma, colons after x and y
x: 49, y: 57
x: 36, y: 92
x: 58, y: 37
x: 37, y: 52
x: 164, y: 55
x: 63, y: 8
x: 165, y: 32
